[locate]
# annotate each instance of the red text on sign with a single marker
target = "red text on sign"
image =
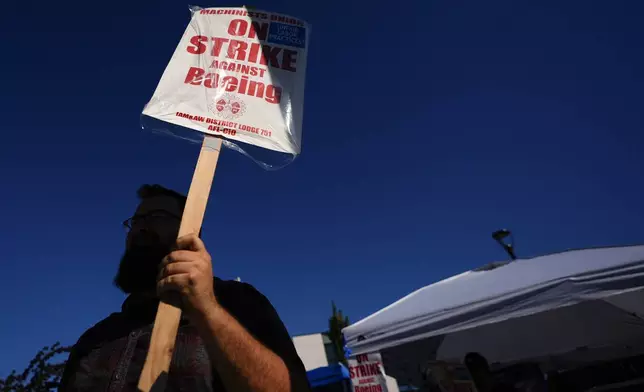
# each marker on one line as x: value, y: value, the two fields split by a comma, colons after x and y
x: 238, y: 68
x: 366, y: 370
x: 225, y: 127
x: 225, y: 131
x: 198, y: 76
x: 241, y: 27
x: 367, y: 388
x: 256, y: 53
x: 190, y: 116
x: 251, y: 14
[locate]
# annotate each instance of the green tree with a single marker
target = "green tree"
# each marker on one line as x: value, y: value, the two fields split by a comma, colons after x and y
x: 40, y: 376
x: 336, y: 322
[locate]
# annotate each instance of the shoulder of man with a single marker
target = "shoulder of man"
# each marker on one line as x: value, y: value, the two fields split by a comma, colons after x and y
x: 254, y: 312
x: 232, y: 293
x: 250, y: 307
x: 92, y: 338
x: 104, y: 330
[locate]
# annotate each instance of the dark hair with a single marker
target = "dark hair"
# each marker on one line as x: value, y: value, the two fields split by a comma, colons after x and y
x: 152, y: 190
x: 146, y: 191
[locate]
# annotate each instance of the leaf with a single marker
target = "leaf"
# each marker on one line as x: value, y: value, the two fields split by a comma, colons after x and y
x: 40, y: 375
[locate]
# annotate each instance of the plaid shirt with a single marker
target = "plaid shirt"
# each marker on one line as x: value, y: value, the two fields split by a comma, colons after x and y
x: 109, y: 357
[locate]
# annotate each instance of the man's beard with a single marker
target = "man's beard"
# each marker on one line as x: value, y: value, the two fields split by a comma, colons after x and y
x: 139, y: 268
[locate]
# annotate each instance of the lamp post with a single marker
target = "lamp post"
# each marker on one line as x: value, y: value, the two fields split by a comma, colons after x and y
x: 499, y: 236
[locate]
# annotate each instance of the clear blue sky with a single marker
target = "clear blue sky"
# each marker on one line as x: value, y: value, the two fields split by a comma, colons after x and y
x: 428, y: 124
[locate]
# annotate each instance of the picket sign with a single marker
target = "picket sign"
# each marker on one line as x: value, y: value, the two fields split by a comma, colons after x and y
x: 367, y: 373
x: 236, y: 74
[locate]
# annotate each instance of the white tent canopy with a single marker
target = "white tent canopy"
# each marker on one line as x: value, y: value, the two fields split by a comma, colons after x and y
x: 525, y: 309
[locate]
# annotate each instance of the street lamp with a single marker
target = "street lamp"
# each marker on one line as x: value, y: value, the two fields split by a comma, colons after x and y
x: 501, y: 235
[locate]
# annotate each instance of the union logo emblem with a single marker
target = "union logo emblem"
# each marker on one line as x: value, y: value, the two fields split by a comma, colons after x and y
x: 227, y: 106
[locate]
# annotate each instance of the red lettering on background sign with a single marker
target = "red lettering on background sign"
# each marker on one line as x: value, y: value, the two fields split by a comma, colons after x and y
x: 362, y: 358
x: 367, y: 388
x: 365, y: 370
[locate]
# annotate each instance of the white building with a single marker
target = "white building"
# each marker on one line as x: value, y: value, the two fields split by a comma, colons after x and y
x: 315, y: 350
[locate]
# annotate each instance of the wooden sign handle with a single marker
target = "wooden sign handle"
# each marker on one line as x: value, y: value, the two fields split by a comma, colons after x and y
x: 164, y: 334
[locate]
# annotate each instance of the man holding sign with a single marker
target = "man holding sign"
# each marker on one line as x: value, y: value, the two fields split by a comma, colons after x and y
x: 230, y: 338
x: 236, y: 74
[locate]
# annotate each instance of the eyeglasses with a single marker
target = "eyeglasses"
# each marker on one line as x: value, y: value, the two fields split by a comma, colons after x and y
x: 150, y: 219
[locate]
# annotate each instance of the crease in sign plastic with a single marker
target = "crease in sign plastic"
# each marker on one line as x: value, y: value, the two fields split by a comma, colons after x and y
x: 237, y: 73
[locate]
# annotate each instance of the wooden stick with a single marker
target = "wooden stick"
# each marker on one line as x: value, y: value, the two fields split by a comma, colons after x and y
x: 164, y: 334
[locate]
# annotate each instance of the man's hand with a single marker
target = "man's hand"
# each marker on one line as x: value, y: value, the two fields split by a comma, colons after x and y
x: 188, y: 271
x: 243, y: 363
